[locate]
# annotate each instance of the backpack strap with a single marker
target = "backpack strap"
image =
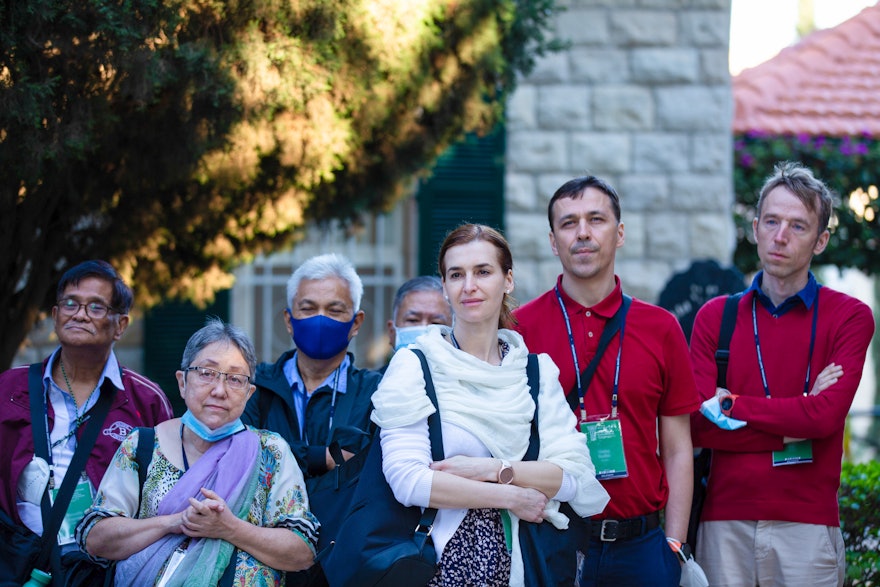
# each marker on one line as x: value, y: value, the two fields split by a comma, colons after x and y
x: 728, y: 323
x: 143, y: 456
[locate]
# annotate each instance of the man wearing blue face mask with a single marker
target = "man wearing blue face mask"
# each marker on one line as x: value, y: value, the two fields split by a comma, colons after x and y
x: 418, y: 304
x: 313, y: 395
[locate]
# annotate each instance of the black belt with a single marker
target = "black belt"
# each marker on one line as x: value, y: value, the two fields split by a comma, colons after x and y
x: 612, y: 530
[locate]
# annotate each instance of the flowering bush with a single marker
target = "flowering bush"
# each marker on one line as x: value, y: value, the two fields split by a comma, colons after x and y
x: 860, y: 521
x: 845, y: 164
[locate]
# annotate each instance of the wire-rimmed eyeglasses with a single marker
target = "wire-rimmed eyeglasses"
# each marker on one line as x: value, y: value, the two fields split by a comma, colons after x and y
x: 208, y: 376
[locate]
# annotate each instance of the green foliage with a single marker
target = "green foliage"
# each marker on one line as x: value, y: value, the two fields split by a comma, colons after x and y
x: 860, y: 521
x: 177, y: 138
x: 844, y: 164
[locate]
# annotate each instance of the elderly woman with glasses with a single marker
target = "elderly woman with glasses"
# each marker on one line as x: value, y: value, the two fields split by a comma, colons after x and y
x: 219, y: 498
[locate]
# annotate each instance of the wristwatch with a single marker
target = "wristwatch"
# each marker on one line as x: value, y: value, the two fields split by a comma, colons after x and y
x: 505, y: 473
x: 727, y: 404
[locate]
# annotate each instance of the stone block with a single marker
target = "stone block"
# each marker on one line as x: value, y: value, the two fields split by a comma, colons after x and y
x: 581, y: 26
x: 694, y: 108
x: 691, y: 192
x: 619, y: 108
x: 600, y: 66
x: 668, y: 236
x: 644, y: 192
x: 601, y: 153
x: 563, y: 107
x: 551, y: 68
x: 529, y: 232
x: 644, y: 278
x: 537, y: 151
x: 713, y: 236
x: 634, y: 235
x: 520, y: 192
x: 715, y: 66
x: 548, y: 183
x: 712, y: 153
x: 661, y: 152
x: 665, y: 66
x: 705, y: 28
x: 643, y: 28
x: 522, y: 112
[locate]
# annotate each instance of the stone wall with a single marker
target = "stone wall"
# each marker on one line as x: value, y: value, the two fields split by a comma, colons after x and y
x: 642, y: 98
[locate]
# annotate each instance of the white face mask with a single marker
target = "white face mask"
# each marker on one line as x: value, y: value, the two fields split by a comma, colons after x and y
x: 407, y: 335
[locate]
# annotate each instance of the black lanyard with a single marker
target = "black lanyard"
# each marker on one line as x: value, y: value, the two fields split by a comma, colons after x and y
x: 812, y: 345
x: 582, y: 380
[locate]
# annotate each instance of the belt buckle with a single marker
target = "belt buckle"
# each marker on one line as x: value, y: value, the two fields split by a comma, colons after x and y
x: 608, y: 530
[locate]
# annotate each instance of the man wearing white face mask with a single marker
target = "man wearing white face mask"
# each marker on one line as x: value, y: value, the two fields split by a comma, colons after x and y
x: 313, y: 395
x: 418, y: 303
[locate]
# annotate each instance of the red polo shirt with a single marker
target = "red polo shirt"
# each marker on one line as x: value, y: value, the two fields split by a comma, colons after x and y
x: 655, y: 380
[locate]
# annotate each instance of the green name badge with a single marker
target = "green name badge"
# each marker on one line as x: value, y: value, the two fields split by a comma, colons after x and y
x: 605, y: 441
x: 79, y: 503
x: 794, y: 453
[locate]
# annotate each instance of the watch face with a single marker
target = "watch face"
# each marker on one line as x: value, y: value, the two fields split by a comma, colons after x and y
x: 505, y: 475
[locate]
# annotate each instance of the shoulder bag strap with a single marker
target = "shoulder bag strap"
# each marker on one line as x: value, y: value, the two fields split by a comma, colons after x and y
x: 611, y: 327
x: 728, y: 323
x: 434, y: 433
x: 534, y: 378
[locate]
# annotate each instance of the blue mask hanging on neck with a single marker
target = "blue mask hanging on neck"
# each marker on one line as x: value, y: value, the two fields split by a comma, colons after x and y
x: 320, y: 337
x: 406, y: 335
x: 207, y: 434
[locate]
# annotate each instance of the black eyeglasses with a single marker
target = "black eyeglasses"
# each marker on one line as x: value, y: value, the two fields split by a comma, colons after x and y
x: 208, y: 376
x: 69, y: 307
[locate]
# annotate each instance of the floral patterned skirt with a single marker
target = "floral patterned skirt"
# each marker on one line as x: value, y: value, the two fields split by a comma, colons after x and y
x: 476, y: 555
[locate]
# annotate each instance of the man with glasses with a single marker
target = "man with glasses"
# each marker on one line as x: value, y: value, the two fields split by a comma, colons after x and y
x: 90, y: 315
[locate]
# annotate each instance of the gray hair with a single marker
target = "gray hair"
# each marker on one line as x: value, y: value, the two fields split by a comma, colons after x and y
x: 322, y: 267
x: 420, y: 283
x: 216, y: 330
x: 800, y: 181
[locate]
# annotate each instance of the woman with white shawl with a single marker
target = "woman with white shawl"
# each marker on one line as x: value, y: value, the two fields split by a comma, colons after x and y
x: 482, y: 488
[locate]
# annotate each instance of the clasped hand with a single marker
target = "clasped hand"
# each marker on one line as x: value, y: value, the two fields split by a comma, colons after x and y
x: 209, y: 518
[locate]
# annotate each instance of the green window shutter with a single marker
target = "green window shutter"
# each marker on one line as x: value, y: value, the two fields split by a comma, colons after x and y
x: 167, y: 328
x: 467, y: 185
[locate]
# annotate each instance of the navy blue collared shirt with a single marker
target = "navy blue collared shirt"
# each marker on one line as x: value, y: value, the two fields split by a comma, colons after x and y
x: 806, y: 296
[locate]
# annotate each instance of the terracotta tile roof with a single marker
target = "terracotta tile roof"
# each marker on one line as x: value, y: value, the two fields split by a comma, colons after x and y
x: 827, y: 84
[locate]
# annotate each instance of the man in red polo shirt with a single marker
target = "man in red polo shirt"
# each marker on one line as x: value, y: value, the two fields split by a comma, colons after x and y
x: 796, y: 356
x: 634, y: 408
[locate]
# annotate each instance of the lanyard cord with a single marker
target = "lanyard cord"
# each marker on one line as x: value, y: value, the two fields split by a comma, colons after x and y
x: 603, y: 342
x: 812, y: 346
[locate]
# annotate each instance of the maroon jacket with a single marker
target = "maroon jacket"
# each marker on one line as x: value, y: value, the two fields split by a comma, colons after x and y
x: 140, y: 403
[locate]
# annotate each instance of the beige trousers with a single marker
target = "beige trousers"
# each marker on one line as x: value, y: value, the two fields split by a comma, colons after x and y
x: 746, y: 553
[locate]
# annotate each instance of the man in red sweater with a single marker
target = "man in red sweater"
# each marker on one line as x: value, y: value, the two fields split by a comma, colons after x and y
x: 796, y: 357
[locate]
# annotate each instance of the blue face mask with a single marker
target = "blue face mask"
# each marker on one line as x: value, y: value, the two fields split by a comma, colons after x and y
x: 205, y: 433
x: 320, y: 337
x: 407, y: 335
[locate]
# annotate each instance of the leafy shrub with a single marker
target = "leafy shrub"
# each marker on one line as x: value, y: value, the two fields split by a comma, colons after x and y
x: 859, y: 499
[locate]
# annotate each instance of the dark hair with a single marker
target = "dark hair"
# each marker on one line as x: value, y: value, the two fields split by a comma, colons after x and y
x: 800, y: 181
x: 122, y: 299
x: 468, y: 233
x: 575, y: 188
x: 420, y: 283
